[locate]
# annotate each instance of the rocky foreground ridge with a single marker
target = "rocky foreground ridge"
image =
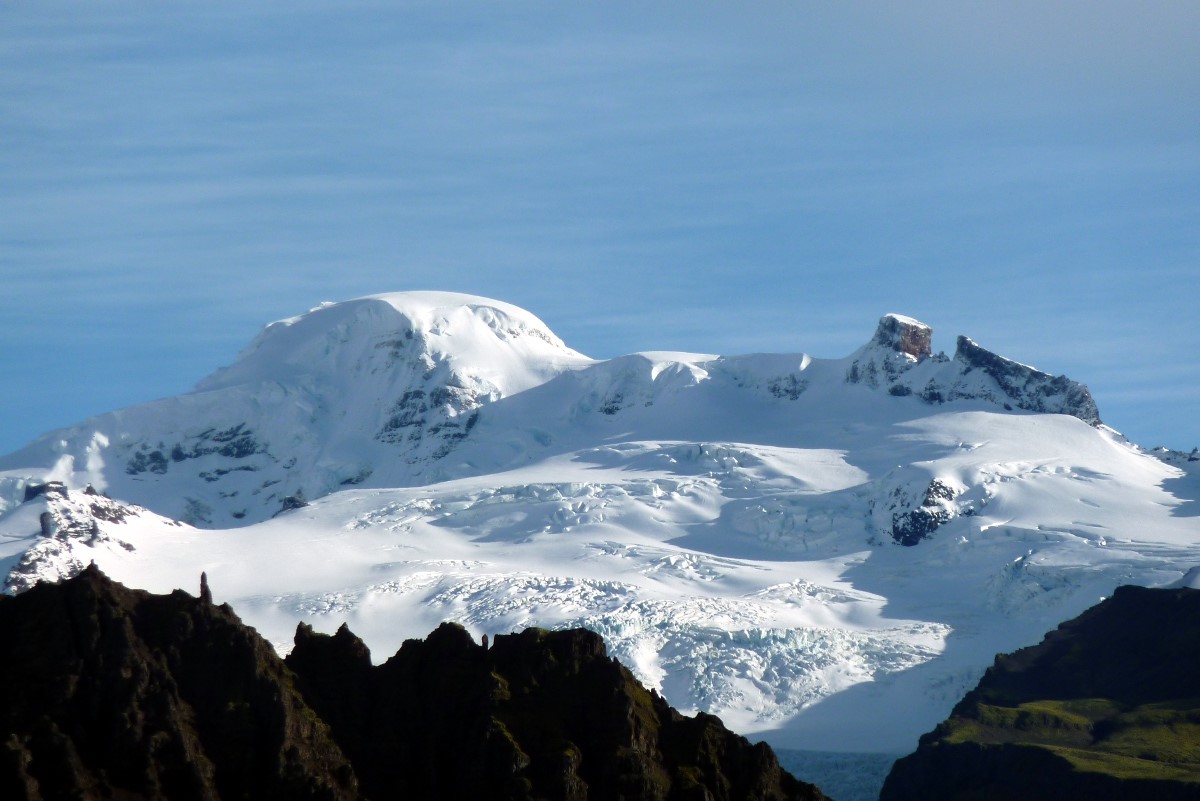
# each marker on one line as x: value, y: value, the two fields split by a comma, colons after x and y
x: 1106, y: 707
x: 110, y: 692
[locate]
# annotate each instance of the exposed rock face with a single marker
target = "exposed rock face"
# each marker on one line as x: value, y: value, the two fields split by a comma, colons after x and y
x: 899, y: 344
x: 904, y: 335
x: 1028, y: 388
x: 538, y: 715
x: 292, y: 502
x: 234, y: 442
x: 440, y: 417
x: 1106, y: 707
x: 899, y: 358
x: 107, y: 692
x: 911, y: 526
x: 115, y: 693
x: 69, y: 519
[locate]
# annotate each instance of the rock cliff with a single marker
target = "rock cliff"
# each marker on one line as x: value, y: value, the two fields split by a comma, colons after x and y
x: 107, y: 692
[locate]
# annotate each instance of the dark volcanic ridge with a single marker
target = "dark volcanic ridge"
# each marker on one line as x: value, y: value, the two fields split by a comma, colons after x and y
x: 116, y: 693
x: 1107, y: 706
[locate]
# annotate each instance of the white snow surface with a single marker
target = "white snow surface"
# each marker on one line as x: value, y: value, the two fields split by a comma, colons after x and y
x: 728, y: 524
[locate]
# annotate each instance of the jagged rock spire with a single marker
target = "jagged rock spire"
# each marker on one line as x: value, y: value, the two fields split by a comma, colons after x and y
x: 905, y: 335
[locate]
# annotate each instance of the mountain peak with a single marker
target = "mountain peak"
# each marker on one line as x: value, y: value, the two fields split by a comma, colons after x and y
x: 899, y: 344
x: 418, y: 387
x: 367, y: 334
x: 904, y: 335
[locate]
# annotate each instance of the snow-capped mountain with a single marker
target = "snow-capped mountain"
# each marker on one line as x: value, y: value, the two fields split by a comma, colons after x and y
x: 388, y: 385
x: 389, y: 391
x: 736, y: 527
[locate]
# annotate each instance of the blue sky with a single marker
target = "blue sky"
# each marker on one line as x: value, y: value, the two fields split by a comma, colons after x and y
x: 641, y: 176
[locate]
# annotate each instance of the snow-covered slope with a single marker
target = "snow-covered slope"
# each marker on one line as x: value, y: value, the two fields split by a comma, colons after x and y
x: 376, y: 390
x: 734, y: 526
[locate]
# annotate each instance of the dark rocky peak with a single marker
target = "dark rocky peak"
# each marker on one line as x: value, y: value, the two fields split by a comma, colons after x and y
x: 540, y: 714
x: 1027, y: 387
x: 107, y: 692
x: 343, y: 652
x: 900, y: 343
x: 904, y: 335
x: 900, y: 360
x: 1139, y: 646
x: 536, y: 654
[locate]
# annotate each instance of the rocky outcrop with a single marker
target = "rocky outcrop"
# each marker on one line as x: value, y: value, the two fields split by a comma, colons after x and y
x: 235, y: 442
x: 1025, y: 387
x: 913, y: 525
x: 70, y: 524
x: 904, y: 335
x: 540, y: 714
x: 1106, y: 707
x: 51, y: 489
x: 900, y: 360
x: 899, y: 344
x: 438, y: 418
x: 107, y: 692
x: 114, y: 693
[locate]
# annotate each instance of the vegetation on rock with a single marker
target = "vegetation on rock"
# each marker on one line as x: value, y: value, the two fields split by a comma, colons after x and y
x: 1106, y: 707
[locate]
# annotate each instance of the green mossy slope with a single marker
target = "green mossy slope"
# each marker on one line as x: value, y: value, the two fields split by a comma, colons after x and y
x: 1106, y: 707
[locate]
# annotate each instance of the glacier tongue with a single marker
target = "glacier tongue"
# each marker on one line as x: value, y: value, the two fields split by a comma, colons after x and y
x: 734, y: 526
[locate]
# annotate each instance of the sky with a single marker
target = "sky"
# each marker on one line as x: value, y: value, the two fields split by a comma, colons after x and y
x: 716, y: 178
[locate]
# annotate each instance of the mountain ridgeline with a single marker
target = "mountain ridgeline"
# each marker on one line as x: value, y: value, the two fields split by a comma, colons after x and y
x: 116, y: 693
x: 412, y: 388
